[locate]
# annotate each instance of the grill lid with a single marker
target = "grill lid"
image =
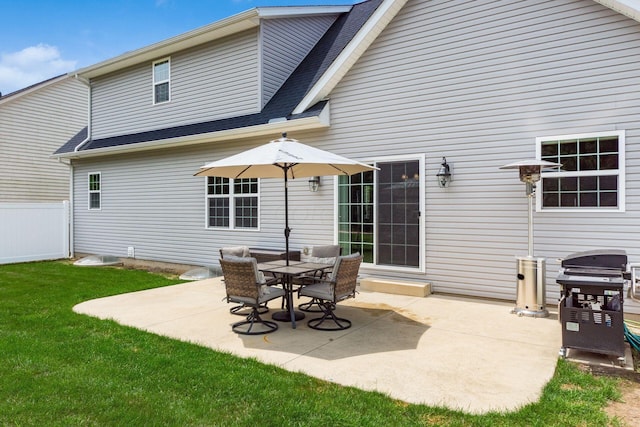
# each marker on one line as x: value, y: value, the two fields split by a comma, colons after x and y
x: 599, y: 259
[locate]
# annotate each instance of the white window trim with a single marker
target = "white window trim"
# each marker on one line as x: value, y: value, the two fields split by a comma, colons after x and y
x: 154, y: 82
x: 232, y: 217
x: 621, y: 134
x: 90, y: 191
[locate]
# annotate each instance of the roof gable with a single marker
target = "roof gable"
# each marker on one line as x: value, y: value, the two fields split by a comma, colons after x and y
x: 277, y: 111
x: 27, y: 90
x: 302, y: 94
x: 214, y: 31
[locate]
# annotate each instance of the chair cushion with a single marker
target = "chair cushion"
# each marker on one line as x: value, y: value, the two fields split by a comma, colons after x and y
x: 317, y: 260
x: 322, y: 254
x: 269, y: 292
x: 322, y: 290
x: 239, y: 251
x: 327, y: 251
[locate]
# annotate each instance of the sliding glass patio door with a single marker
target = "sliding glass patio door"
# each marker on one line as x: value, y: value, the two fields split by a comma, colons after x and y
x: 379, y: 214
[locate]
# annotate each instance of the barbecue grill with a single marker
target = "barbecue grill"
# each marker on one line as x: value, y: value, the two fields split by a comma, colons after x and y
x: 591, y: 302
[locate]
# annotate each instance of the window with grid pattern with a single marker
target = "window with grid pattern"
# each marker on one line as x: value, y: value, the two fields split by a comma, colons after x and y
x: 161, y: 81
x: 592, y: 172
x: 226, y: 196
x: 95, y: 194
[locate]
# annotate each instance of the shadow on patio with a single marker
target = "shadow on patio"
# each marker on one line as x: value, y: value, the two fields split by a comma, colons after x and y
x: 460, y: 353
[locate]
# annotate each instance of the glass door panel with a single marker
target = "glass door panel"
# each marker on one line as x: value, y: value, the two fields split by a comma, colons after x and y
x: 398, y: 237
x: 380, y: 218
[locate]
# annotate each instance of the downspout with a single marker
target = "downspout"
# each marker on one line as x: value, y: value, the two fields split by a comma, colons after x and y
x: 89, y: 109
x: 71, y: 206
x: 72, y: 177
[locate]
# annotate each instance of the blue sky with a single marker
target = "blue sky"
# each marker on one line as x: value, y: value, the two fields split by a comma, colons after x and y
x: 40, y: 39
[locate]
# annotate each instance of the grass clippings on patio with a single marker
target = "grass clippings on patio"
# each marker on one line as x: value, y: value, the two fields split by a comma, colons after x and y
x: 62, y: 368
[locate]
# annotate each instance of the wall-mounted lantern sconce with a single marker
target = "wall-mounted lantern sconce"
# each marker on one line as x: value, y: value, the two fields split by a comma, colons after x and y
x: 314, y: 183
x: 444, y: 174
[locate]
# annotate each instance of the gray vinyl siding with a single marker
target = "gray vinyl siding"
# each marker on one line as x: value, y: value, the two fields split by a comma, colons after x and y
x: 285, y: 42
x: 209, y: 82
x: 152, y: 201
x: 477, y: 82
x: 32, y: 127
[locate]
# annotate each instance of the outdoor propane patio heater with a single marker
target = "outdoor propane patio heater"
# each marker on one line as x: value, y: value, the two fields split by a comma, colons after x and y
x: 531, y: 271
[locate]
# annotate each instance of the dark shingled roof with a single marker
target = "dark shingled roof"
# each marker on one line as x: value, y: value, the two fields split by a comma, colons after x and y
x: 281, y: 104
x: 74, y: 142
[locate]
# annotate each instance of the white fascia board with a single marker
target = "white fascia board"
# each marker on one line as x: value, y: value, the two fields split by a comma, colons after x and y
x: 234, y: 24
x: 30, y: 89
x: 298, y: 11
x: 351, y: 53
x: 307, y: 123
x: 630, y: 8
x: 219, y: 29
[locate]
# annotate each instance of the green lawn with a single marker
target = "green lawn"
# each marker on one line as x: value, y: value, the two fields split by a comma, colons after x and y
x: 66, y: 369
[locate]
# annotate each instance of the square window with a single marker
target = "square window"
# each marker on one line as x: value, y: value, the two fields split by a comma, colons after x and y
x: 232, y: 203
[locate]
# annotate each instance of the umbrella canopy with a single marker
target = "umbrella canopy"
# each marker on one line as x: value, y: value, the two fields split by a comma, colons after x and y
x: 283, y: 155
x: 283, y: 158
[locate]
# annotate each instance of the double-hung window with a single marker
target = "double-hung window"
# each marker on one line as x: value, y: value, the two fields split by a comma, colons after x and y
x: 592, y: 172
x: 232, y: 203
x: 95, y: 194
x: 161, y: 81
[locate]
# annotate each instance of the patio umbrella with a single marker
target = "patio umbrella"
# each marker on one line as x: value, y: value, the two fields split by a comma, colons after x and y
x: 283, y: 158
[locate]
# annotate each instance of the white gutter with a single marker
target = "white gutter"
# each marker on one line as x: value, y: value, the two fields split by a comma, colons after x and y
x: 232, y: 25
x: 298, y: 11
x: 274, y: 127
x: 351, y: 53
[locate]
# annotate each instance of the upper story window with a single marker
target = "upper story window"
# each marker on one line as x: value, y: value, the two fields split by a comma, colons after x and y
x: 161, y: 81
x: 95, y: 194
x: 592, y: 173
x: 231, y: 203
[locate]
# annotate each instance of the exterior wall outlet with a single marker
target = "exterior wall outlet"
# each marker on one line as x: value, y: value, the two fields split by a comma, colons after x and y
x: 131, y: 252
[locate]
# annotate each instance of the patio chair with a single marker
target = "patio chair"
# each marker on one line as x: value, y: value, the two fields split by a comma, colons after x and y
x: 323, y: 255
x: 340, y: 285
x: 244, y: 285
x: 240, y: 251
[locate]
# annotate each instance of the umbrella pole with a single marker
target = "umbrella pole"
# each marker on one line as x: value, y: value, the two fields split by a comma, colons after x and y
x: 287, y: 230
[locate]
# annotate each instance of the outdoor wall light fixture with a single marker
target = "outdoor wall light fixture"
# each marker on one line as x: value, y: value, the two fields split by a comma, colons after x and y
x: 444, y: 174
x: 314, y: 183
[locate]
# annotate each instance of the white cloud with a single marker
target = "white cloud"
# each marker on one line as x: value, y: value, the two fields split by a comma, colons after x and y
x: 31, y: 65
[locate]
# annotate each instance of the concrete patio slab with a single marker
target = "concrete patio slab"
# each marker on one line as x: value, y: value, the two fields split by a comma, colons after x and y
x: 466, y: 354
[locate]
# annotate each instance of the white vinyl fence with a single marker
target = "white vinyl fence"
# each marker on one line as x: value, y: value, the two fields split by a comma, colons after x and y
x: 33, y: 231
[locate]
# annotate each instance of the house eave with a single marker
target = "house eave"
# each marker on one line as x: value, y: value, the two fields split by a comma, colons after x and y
x: 623, y: 7
x: 268, y: 129
x: 233, y: 24
x: 352, y: 52
x: 216, y: 30
x: 30, y: 89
